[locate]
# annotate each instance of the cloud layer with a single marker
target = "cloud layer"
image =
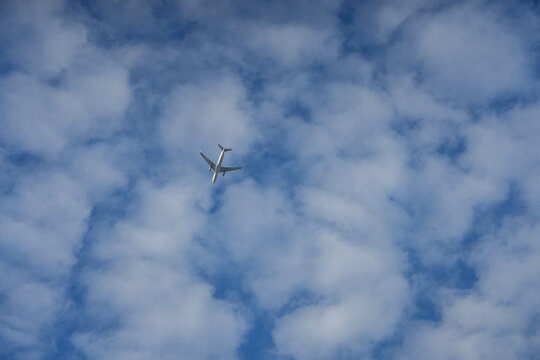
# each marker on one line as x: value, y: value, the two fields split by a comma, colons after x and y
x: 387, y: 207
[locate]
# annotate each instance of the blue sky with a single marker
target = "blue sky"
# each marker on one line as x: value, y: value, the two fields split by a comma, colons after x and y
x: 388, y: 207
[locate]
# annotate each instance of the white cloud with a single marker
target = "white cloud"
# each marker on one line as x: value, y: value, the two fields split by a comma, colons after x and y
x: 42, y: 221
x: 63, y: 89
x: 466, y: 53
x: 161, y: 312
x: 506, y: 263
x: 99, y: 168
x: 292, y: 44
x: 498, y: 317
x: 28, y: 309
x: 355, y: 290
x: 39, y: 38
x: 147, y: 282
x: 501, y: 147
x: 41, y: 118
x: 204, y: 114
x: 62, y: 92
x: 377, y: 171
x: 360, y: 300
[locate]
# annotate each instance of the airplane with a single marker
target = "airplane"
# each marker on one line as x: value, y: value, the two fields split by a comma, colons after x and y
x: 217, y: 167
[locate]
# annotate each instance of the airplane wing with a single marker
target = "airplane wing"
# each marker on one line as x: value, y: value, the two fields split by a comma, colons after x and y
x: 212, y: 165
x: 224, y: 169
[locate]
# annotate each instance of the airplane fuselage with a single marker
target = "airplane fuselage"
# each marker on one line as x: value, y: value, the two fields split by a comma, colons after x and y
x: 218, y: 167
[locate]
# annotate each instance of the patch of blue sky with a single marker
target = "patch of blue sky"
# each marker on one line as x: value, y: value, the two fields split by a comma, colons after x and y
x: 299, y: 299
x: 355, y: 38
x: 8, y: 63
x: 228, y: 285
x: 217, y: 193
x: 457, y: 274
x: 385, y: 349
x: 505, y: 102
x: 426, y: 307
x: 254, y: 83
x: 406, y: 126
x: 452, y: 147
x: 258, y: 343
x: 271, y: 163
x: 6, y: 66
x: 297, y: 109
x: 489, y: 219
x: 25, y: 159
x: 73, y: 319
x: 164, y: 26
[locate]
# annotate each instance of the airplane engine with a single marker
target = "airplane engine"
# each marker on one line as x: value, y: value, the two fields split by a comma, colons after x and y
x: 210, y: 168
x: 224, y: 173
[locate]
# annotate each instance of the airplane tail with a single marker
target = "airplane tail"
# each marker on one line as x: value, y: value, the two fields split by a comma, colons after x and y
x: 224, y: 149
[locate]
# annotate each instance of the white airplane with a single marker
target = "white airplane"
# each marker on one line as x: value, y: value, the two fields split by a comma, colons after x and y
x: 217, y: 167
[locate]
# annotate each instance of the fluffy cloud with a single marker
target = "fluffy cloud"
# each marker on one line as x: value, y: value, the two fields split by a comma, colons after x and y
x: 467, y: 53
x: 38, y: 38
x: 54, y: 97
x: 60, y: 92
x: 292, y: 44
x: 387, y: 205
x: 359, y: 301
x: 43, y: 119
x: 199, y: 114
x: 345, y: 290
x: 144, y: 284
x: 42, y: 222
x: 499, y: 319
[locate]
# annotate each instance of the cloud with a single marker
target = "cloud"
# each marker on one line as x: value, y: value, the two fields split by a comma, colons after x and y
x: 498, y: 320
x: 200, y: 113
x: 42, y: 119
x: 143, y: 261
x: 342, y: 297
x: 38, y: 39
x: 291, y: 44
x: 38, y: 217
x: 188, y: 323
x: 465, y: 53
x: 360, y: 302
x: 60, y: 93
x: 27, y: 309
x: 99, y: 168
x: 387, y: 205
x: 42, y: 223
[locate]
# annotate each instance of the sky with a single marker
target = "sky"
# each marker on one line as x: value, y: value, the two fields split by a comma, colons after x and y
x: 389, y: 201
